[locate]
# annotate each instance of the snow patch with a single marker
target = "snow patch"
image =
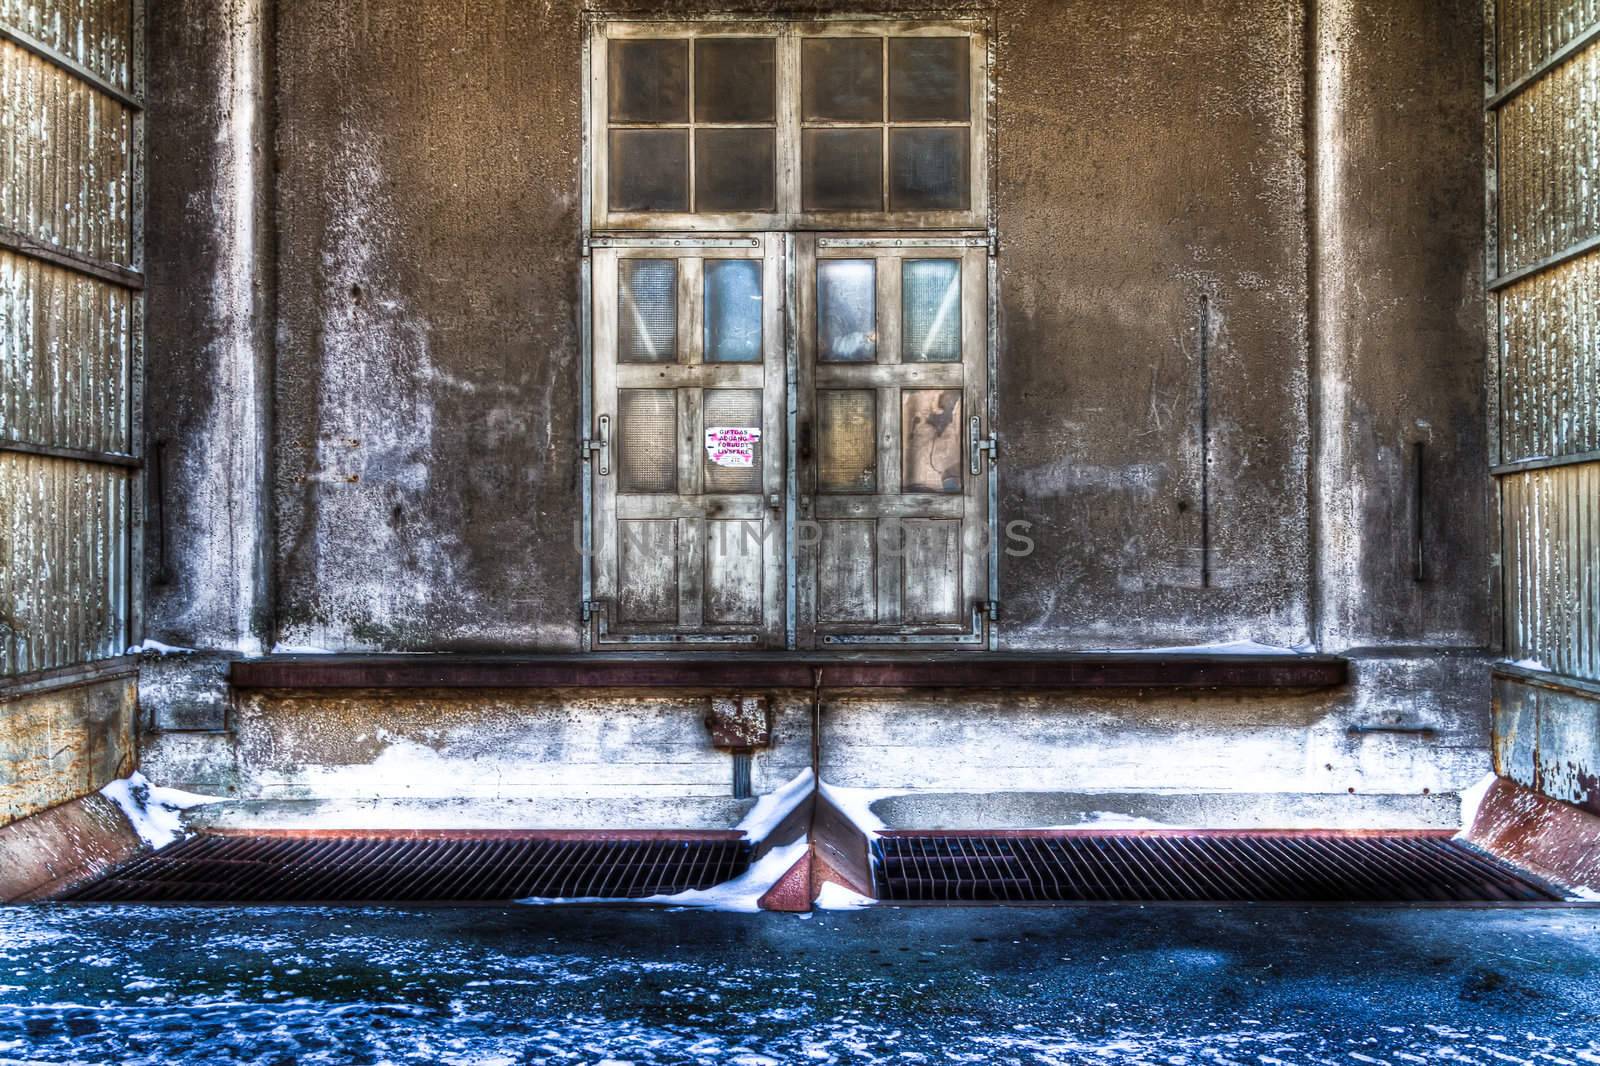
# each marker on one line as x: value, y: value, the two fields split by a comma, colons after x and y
x: 281, y: 648
x: 153, y: 811
x: 776, y: 805
x: 155, y: 647
x: 856, y: 805
x: 1586, y: 895
x: 1531, y: 664
x: 1471, y: 800
x: 835, y: 897
x: 1230, y: 647
x: 1114, y: 820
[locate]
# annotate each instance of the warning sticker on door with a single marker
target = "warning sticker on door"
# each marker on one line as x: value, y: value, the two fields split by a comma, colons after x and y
x: 732, y: 445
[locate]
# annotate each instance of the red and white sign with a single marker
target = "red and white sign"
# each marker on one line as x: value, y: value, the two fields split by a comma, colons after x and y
x: 732, y: 445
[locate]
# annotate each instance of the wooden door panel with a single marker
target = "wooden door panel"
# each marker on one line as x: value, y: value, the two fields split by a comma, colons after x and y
x: 689, y: 368
x: 893, y: 366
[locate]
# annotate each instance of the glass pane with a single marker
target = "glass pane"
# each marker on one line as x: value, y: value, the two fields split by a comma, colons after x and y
x: 732, y: 409
x: 647, y: 311
x: 930, y: 440
x: 847, y: 433
x: 930, y: 316
x: 841, y: 79
x: 847, y: 311
x: 646, y: 439
x: 649, y: 170
x: 928, y: 169
x: 841, y: 170
x: 734, y: 170
x: 648, y: 81
x: 735, y: 79
x: 928, y: 79
x: 733, y: 311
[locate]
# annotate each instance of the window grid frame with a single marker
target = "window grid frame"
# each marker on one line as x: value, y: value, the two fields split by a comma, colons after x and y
x: 789, y: 127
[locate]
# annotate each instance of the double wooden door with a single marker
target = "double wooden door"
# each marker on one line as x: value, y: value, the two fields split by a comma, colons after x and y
x: 790, y: 441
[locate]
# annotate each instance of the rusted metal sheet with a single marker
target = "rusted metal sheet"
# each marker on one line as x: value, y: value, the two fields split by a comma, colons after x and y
x: 796, y: 672
x: 1551, y: 555
x: 59, y: 849
x: 63, y: 562
x: 1549, y: 163
x: 1550, y: 360
x: 1531, y: 31
x: 65, y: 159
x: 58, y: 745
x: 95, y: 34
x: 1552, y: 839
x: 65, y: 356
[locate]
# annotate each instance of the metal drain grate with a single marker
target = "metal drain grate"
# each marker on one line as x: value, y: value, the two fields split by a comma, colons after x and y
x: 1205, y: 867
x: 455, y: 867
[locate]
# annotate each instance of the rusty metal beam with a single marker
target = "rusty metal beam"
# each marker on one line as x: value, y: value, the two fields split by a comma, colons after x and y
x: 1119, y: 671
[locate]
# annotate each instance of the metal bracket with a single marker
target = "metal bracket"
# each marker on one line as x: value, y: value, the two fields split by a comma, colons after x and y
x: 978, y: 445
x: 602, y: 446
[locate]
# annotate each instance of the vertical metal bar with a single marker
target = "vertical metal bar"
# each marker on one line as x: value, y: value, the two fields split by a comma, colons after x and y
x: 585, y: 427
x: 991, y: 387
x: 1418, y: 562
x: 1205, y: 441
x: 791, y: 483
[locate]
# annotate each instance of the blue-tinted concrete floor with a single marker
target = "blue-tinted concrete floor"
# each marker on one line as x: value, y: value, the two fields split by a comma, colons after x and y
x: 535, y: 985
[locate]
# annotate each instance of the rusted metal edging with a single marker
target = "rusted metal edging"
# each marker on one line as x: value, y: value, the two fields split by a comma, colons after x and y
x: 1547, y: 679
x: 82, y: 455
x: 1549, y: 262
x: 27, y: 42
x: 23, y: 245
x: 1522, y: 466
x: 123, y: 666
x: 1093, y: 671
x: 1583, y: 40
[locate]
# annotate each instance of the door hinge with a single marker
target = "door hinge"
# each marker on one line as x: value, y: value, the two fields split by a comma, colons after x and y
x: 991, y: 609
x: 978, y: 445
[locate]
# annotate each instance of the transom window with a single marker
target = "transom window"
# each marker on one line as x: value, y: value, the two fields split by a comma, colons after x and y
x: 833, y: 125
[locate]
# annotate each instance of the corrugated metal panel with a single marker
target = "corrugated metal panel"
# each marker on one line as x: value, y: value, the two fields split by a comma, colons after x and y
x: 1552, y: 568
x: 1547, y: 736
x: 63, y: 562
x: 64, y: 357
x: 1550, y: 362
x: 1550, y: 163
x: 65, y: 151
x: 94, y: 33
x: 1531, y: 31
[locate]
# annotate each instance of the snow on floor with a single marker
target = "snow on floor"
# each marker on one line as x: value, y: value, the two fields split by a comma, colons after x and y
x: 1471, y: 799
x: 155, y: 647
x: 155, y: 813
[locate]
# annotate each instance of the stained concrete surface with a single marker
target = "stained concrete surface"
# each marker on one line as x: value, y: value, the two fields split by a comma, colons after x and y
x: 1069, y: 985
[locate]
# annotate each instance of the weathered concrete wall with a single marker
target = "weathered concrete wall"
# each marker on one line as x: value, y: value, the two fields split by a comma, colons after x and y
x: 59, y: 745
x: 550, y: 760
x: 1150, y: 157
x: 210, y: 320
x: 427, y: 391
x: 1397, y: 269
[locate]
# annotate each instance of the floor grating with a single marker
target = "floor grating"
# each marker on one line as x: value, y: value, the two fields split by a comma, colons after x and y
x: 1198, y: 867
x: 457, y: 867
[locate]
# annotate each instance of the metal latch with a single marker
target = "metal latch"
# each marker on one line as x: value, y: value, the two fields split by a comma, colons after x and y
x: 602, y: 446
x: 977, y: 445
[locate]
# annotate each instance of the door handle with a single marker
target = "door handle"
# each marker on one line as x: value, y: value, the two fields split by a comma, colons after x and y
x: 601, y: 445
